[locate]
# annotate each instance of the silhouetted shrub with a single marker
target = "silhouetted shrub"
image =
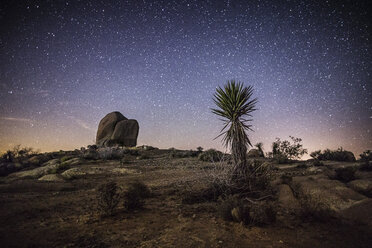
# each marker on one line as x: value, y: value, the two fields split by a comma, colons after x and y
x: 286, y: 149
x: 135, y: 194
x: 337, y: 155
x: 210, y: 155
x: 345, y: 174
x: 199, y: 149
x: 108, y: 198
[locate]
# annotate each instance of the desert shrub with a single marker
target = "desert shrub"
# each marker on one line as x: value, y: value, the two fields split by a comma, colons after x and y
x: 135, y: 194
x: 336, y: 155
x: 18, y: 153
x: 108, y: 198
x: 200, y: 149
x: 345, y: 174
x: 317, y: 162
x: 210, y: 155
x: 287, y: 149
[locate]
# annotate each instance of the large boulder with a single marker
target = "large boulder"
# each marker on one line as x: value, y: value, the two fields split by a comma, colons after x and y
x: 116, y: 129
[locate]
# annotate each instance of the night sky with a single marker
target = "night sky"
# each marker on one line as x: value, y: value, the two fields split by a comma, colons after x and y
x: 66, y: 64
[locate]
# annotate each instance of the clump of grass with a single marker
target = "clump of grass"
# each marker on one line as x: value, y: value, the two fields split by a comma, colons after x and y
x: 345, y: 174
x: 135, y: 194
x: 108, y: 198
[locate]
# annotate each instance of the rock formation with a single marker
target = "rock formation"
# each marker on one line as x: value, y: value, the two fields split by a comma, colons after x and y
x: 116, y: 129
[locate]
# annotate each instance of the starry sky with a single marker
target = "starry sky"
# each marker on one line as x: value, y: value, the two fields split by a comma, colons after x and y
x: 66, y: 64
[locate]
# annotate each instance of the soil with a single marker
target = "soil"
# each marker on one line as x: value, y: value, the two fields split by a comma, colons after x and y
x: 64, y: 214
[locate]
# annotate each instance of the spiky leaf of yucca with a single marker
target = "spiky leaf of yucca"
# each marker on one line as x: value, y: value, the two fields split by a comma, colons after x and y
x: 235, y: 105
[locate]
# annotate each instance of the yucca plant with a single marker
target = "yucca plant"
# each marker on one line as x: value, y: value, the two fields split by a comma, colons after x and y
x: 235, y: 106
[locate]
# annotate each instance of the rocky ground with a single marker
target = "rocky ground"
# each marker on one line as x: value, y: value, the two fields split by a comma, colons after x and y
x: 55, y: 205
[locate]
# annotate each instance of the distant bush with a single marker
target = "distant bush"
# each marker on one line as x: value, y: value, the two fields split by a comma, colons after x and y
x: 345, y: 174
x: 108, y: 198
x: 210, y: 155
x: 135, y: 194
x: 336, y: 155
x: 199, y: 149
x: 282, y: 150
